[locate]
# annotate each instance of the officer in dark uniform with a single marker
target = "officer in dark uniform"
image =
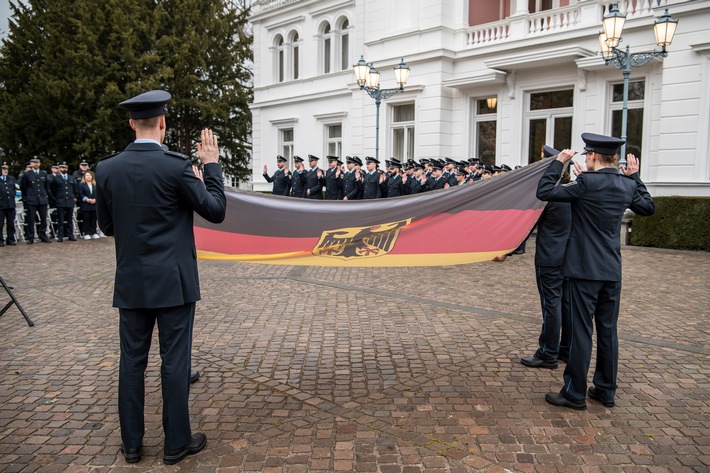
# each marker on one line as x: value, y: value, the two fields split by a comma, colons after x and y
x: 449, y: 173
x: 592, y: 261
x: 437, y: 180
x: 151, y: 218
x: 352, y: 180
x: 395, y: 186
x: 298, y: 178
x: 333, y: 179
x: 281, y: 178
x: 314, y: 180
x: 553, y: 229
x: 373, y: 180
x: 62, y: 188
x: 78, y: 175
x: 35, y: 197
x: 7, y: 207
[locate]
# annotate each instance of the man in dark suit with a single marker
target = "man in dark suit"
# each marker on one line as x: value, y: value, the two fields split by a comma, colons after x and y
x: 437, y: 180
x: 395, y: 185
x: 553, y: 229
x: 352, y: 180
x: 298, y: 179
x: 592, y: 261
x: 146, y: 197
x: 62, y: 187
x: 281, y: 178
x: 35, y: 197
x: 333, y: 179
x: 373, y: 185
x: 314, y: 180
x: 7, y: 207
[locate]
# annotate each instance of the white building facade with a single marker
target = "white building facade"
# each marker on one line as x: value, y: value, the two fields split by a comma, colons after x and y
x: 494, y: 79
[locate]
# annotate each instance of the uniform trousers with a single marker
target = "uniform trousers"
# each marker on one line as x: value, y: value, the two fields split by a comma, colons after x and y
x: 32, y: 211
x: 7, y: 221
x: 555, y: 319
x: 65, y: 217
x: 175, y: 336
x: 88, y: 222
x: 587, y: 300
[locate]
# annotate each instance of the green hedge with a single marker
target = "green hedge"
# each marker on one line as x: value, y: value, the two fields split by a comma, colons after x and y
x: 681, y: 223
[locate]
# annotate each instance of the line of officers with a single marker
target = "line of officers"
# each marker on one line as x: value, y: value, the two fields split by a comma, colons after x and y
x: 40, y: 192
x: 351, y: 182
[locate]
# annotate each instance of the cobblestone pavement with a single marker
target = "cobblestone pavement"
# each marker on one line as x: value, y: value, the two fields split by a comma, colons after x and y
x: 370, y: 369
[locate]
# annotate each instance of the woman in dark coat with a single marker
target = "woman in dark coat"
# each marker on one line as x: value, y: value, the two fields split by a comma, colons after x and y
x: 87, y: 204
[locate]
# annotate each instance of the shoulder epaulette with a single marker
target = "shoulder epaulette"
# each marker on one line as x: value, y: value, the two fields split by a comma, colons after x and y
x: 175, y: 154
x: 109, y: 156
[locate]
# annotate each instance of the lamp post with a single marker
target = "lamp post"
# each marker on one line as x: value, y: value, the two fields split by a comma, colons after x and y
x: 609, y: 39
x: 368, y: 78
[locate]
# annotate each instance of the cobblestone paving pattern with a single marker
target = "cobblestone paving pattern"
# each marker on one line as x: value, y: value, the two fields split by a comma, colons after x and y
x: 356, y: 369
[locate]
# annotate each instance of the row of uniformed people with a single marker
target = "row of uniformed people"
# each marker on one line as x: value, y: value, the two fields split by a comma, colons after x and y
x: 353, y: 183
x: 42, y: 191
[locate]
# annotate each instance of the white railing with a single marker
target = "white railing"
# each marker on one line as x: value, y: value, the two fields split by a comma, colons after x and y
x: 262, y: 6
x: 488, y: 33
x: 555, y: 21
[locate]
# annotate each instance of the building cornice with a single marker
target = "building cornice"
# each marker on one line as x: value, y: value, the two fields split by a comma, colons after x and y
x: 407, y: 33
x: 300, y: 98
x: 289, y: 21
x: 488, y: 76
x: 330, y: 8
x: 548, y: 57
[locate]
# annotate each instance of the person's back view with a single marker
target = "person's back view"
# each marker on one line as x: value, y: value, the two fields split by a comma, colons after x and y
x: 146, y: 197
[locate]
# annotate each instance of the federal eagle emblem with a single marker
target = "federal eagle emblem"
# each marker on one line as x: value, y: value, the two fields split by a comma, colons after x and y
x: 354, y: 242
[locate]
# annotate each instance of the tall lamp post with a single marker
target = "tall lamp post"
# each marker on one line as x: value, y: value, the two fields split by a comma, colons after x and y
x: 609, y: 39
x: 368, y: 78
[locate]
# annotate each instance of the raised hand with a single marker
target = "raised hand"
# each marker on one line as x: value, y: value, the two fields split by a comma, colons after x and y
x: 207, y: 149
x: 198, y: 173
x: 566, y: 155
x: 632, y: 165
x: 265, y: 171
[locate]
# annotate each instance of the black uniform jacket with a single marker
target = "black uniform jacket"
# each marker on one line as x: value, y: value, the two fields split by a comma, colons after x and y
x: 298, y: 183
x: 433, y: 184
x: 7, y: 193
x: 84, y: 191
x: 35, y: 188
x: 599, y: 200
x: 146, y: 198
x: 314, y: 183
x: 395, y: 188
x: 281, y: 180
x: 371, y: 187
x: 333, y: 185
x: 352, y: 186
x: 62, y: 191
x: 553, y: 229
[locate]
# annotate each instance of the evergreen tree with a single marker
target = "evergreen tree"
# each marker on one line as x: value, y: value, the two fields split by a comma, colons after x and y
x: 66, y: 64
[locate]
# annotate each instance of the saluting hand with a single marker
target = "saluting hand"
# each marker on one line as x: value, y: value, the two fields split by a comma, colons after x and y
x: 578, y: 168
x: 265, y: 171
x: 198, y: 173
x: 404, y: 178
x: 207, y: 149
x: 632, y: 165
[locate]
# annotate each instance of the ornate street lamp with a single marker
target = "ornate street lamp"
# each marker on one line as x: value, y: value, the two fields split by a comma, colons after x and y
x: 368, y: 78
x: 613, y: 24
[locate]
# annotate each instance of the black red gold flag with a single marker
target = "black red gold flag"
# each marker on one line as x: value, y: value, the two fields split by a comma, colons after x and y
x: 463, y: 224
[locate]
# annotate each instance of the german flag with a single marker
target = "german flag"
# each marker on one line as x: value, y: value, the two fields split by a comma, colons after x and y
x: 459, y: 225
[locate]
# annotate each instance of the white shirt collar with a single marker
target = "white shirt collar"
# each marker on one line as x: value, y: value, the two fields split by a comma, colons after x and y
x: 146, y: 140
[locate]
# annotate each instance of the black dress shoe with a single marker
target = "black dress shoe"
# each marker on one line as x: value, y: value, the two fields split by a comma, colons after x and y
x: 535, y: 362
x: 594, y: 394
x: 194, y: 376
x: 72, y: 238
x: 46, y: 240
x: 199, y: 440
x: 557, y: 399
x: 132, y: 455
x: 30, y: 242
x: 60, y: 239
x: 11, y: 242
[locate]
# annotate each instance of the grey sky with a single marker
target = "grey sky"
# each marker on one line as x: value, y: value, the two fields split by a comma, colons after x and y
x: 4, y: 15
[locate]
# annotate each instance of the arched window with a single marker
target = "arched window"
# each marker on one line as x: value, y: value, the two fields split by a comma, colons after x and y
x: 295, y: 58
x: 344, y: 44
x: 327, y: 48
x: 280, y: 58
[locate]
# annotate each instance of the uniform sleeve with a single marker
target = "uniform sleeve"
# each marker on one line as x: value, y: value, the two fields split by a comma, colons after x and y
x: 207, y: 199
x: 103, y: 209
x: 548, y: 190
x: 643, y: 203
x: 268, y: 179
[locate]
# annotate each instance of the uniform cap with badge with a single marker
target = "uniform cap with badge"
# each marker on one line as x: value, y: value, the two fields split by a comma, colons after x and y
x: 602, y: 144
x: 549, y: 151
x: 280, y: 159
x: 313, y: 158
x: 147, y: 105
x: 370, y: 159
x: 298, y: 159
